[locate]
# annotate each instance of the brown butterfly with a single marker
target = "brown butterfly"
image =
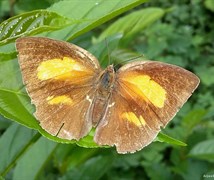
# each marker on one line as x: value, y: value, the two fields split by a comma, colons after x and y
x: 72, y: 94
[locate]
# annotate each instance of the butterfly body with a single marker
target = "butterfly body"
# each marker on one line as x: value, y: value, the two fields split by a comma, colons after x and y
x: 72, y: 94
x: 104, y: 86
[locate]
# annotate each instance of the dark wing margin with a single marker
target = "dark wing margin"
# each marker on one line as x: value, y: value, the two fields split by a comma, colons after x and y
x: 136, y: 111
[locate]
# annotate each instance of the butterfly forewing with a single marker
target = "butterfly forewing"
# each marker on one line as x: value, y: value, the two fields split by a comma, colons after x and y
x: 147, y: 95
x: 58, y: 77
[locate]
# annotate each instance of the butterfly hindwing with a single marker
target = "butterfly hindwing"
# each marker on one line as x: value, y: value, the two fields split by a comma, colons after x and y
x: 146, y: 96
x: 58, y: 77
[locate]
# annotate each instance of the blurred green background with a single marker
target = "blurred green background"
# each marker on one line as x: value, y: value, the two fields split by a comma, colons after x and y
x: 176, y: 32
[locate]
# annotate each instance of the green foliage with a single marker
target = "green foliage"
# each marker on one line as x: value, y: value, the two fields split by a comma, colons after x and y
x: 204, y: 150
x: 90, y: 169
x: 41, y: 151
x: 138, y: 20
x: 164, y: 138
x: 209, y: 4
x: 180, y: 34
x: 31, y: 23
x: 92, y: 12
x: 14, y: 104
x: 15, y: 140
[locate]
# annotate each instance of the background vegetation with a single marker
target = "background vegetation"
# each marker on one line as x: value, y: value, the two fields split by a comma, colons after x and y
x: 179, y: 33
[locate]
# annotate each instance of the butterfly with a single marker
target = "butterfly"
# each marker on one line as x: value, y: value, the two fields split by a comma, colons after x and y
x: 72, y: 94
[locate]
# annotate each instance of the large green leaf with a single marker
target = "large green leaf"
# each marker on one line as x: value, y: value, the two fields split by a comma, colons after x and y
x: 30, y: 23
x: 93, y: 13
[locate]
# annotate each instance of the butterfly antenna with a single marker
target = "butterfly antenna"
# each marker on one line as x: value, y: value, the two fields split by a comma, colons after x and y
x: 109, y: 60
x: 129, y: 60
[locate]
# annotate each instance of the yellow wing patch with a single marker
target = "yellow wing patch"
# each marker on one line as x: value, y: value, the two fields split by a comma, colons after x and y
x: 148, y: 89
x: 62, y: 69
x: 59, y: 100
x: 131, y: 117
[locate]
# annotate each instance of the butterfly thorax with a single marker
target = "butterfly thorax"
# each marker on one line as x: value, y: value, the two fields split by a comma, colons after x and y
x: 105, y: 86
x: 106, y: 81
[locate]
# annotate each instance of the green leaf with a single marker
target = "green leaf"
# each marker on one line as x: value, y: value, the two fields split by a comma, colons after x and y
x: 193, y: 118
x: 194, y: 170
x: 133, y: 23
x: 14, y: 101
x: 94, y: 169
x: 88, y: 141
x: 13, y: 143
x: 209, y: 4
x: 30, y: 5
x: 34, y: 160
x: 4, y: 8
x: 158, y: 171
x: 71, y: 156
x: 203, y: 150
x: 206, y: 74
x: 93, y: 12
x: 29, y: 23
x: 165, y: 138
x: 4, y: 123
x: 8, y: 49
